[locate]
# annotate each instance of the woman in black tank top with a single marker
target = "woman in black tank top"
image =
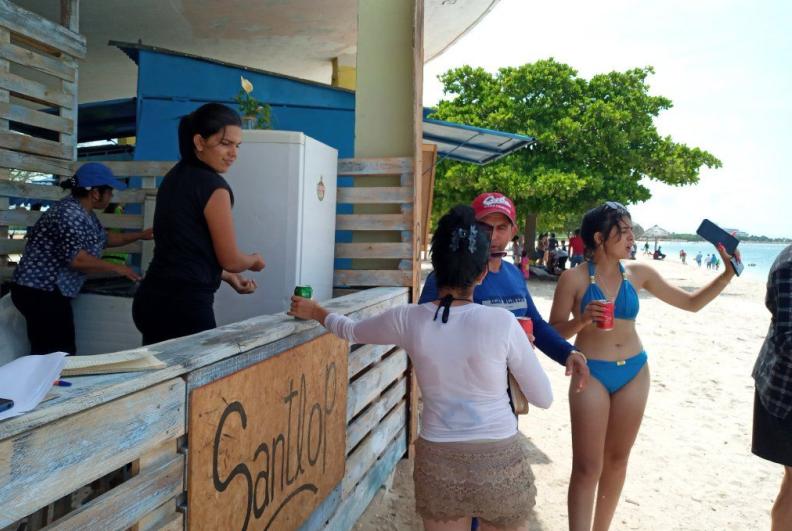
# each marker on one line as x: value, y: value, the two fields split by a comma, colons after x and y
x: 195, y: 244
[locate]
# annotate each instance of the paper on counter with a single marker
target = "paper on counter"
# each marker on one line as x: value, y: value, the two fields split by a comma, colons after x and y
x: 27, y: 380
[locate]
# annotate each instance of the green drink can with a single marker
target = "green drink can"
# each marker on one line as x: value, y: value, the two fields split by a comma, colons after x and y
x: 306, y: 292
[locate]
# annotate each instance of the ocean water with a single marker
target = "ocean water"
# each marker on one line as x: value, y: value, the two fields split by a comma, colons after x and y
x: 757, y: 257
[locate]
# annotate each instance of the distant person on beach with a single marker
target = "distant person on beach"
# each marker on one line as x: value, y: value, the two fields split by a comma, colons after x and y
x: 606, y: 415
x: 646, y: 247
x: 470, y: 458
x: 658, y: 254
x: 576, y: 249
x: 698, y: 258
x: 772, y: 418
x: 708, y: 261
x: 683, y: 256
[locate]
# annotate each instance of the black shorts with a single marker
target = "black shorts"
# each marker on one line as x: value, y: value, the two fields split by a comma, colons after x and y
x: 48, y: 317
x: 162, y: 313
x: 772, y: 436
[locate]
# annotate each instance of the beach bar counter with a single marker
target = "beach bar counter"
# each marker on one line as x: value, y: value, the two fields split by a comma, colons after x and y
x: 269, y: 423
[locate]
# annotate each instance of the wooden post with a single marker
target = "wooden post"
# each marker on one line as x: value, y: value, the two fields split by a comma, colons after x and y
x: 5, y: 38
x: 70, y: 14
x: 149, y: 205
x: 418, y: 207
x: 70, y: 18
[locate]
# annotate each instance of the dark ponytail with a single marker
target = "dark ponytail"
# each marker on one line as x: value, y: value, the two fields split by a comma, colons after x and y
x: 206, y: 120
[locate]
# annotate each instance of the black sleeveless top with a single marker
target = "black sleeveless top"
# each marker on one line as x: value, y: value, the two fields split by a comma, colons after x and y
x: 184, y: 257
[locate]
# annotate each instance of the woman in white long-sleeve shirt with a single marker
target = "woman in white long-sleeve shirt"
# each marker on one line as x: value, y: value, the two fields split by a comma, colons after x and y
x: 470, y: 459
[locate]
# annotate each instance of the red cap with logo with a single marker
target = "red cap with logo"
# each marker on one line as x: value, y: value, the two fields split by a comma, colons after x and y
x: 494, y: 202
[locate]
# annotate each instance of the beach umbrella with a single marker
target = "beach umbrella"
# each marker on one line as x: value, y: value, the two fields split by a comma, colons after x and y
x: 656, y: 232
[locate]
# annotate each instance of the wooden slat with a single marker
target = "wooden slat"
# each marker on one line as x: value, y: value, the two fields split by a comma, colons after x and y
x: 44, y: 63
x: 56, y: 193
x: 369, y: 386
x: 174, y: 523
x: 38, y: 146
x: 27, y: 218
x: 149, y: 207
x: 373, y: 221
x: 371, y: 277
x: 385, y: 166
x: 18, y: 246
x: 27, y: 116
x: 78, y: 449
x: 371, y: 417
x: 34, y: 163
x: 365, y: 455
x: 124, y: 505
x: 34, y: 90
x: 40, y: 29
x: 364, y: 356
x: 354, y: 505
x: 373, y: 250
x: 376, y: 195
x: 324, y: 512
x: 134, y: 168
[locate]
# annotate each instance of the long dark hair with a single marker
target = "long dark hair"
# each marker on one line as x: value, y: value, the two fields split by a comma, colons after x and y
x: 601, y: 219
x: 206, y: 120
x: 460, y: 248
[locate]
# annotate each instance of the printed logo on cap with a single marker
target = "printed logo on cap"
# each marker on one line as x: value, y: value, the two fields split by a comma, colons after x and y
x: 493, y: 200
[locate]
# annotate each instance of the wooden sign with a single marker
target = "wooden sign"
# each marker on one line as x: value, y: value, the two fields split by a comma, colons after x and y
x: 268, y: 443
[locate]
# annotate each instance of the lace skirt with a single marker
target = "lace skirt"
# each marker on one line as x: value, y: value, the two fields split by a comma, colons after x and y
x: 490, y: 480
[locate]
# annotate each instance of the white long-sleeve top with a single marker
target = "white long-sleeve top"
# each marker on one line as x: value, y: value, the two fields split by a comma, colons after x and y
x: 460, y: 365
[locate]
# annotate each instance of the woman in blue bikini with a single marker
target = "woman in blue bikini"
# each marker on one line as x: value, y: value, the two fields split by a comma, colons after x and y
x: 606, y: 415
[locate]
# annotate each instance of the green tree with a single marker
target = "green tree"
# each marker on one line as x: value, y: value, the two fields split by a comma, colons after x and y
x: 596, y: 140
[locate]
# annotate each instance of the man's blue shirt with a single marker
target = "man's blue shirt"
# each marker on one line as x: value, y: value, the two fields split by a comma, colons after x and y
x: 506, y: 289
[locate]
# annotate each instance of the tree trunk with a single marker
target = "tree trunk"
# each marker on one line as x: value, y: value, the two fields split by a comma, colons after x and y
x: 530, y: 233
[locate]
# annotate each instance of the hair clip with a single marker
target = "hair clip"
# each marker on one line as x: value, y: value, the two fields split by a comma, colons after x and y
x: 456, y: 235
x: 472, y: 239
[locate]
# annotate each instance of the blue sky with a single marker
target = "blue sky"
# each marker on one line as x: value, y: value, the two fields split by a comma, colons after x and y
x: 726, y: 65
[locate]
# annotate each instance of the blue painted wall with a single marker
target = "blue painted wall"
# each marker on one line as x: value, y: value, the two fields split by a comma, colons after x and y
x: 170, y: 86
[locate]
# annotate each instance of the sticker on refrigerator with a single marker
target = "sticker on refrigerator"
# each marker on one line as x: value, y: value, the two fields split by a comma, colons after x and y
x: 320, y: 189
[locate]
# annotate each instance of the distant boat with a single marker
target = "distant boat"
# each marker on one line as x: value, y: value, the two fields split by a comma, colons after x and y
x: 751, y: 265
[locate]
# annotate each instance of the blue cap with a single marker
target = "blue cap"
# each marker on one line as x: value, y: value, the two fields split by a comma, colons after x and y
x: 95, y: 174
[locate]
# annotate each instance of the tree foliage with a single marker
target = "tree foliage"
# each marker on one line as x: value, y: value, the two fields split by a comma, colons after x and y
x: 596, y: 139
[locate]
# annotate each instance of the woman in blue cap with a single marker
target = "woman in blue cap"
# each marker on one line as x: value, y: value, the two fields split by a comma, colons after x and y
x: 65, y: 244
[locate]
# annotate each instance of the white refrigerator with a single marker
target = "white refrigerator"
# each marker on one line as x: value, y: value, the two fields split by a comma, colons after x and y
x: 284, y: 186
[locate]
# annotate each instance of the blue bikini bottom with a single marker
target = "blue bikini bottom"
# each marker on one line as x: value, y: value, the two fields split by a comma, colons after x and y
x: 616, y: 374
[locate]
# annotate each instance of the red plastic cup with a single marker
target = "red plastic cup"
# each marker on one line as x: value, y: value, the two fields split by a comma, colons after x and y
x: 606, y: 321
x: 527, y: 325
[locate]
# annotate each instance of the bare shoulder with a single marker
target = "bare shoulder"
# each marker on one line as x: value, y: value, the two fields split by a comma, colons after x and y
x: 574, y: 278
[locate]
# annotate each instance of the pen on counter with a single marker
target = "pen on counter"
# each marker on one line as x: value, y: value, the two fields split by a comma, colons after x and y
x: 61, y: 383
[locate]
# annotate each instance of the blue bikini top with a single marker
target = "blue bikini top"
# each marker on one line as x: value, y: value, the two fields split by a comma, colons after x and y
x: 626, y: 304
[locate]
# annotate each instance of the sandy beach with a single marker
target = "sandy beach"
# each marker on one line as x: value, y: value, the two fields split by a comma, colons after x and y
x: 691, y: 467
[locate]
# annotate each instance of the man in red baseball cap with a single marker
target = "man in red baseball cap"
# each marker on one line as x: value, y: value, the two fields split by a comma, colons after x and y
x: 504, y: 285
